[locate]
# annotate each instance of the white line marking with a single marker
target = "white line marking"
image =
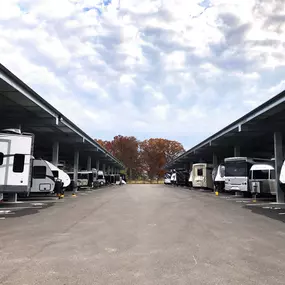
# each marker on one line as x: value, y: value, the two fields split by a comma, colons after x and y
x: 195, y: 260
x: 2, y: 218
x: 281, y: 213
x: 5, y: 212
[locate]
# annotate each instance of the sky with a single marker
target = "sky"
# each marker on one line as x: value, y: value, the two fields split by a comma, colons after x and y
x: 175, y: 69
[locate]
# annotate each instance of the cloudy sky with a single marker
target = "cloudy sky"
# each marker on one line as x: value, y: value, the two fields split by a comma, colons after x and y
x: 150, y: 68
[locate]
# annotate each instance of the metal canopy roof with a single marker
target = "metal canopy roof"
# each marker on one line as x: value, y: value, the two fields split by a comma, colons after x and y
x: 22, y: 107
x: 253, y: 133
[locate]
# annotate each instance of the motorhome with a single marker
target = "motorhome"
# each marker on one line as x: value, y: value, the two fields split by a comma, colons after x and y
x: 218, y: 177
x: 101, y: 178
x: 16, y: 156
x: 167, y: 178
x: 237, y: 171
x: 202, y: 175
x: 85, y: 178
x: 262, y: 179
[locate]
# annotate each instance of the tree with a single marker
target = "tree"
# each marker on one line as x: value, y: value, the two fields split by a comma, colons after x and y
x: 157, y: 152
x: 141, y: 158
x: 126, y: 149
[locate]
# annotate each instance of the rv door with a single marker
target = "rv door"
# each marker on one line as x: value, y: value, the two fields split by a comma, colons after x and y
x: 4, y: 162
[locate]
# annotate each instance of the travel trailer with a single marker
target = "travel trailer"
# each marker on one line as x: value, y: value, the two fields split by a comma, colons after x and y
x: 218, y: 176
x: 182, y: 177
x: 117, y: 179
x: 59, y: 174
x: 202, y: 175
x: 101, y: 178
x: 167, y: 178
x: 20, y: 172
x: 173, y: 178
x: 190, y: 180
x: 237, y: 172
x: 42, y: 180
x: 16, y: 157
x: 262, y: 179
x: 85, y: 178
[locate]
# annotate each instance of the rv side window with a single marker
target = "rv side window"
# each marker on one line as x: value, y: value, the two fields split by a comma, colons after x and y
x: 19, y: 161
x: 55, y: 173
x: 1, y: 158
x: 39, y: 172
x: 200, y: 171
x: 272, y: 174
x: 260, y: 174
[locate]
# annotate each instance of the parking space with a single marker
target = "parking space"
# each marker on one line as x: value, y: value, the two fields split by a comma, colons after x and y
x: 34, y: 204
x: 261, y: 206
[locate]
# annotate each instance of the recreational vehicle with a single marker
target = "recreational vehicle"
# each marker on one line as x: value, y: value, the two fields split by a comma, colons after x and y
x: 190, y: 181
x: 202, y: 175
x: 218, y: 176
x: 173, y: 178
x: 59, y: 174
x: 167, y: 178
x: 262, y: 179
x: 117, y: 179
x: 237, y: 171
x: 85, y: 178
x: 182, y: 177
x: 101, y: 178
x: 16, y: 156
x: 42, y: 180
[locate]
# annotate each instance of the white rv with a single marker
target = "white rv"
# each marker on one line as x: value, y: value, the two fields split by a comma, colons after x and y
x: 167, y: 178
x: 59, y: 174
x: 101, y: 178
x: 16, y: 150
x: 218, y: 176
x: 85, y: 178
x: 262, y: 179
x: 173, y: 178
x: 43, y: 180
x: 237, y: 171
x: 190, y: 179
x: 202, y: 175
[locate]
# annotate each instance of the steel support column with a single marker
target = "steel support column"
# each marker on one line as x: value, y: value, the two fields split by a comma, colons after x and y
x: 237, y: 151
x: 98, y: 165
x: 215, y: 160
x: 55, y: 153
x: 75, y: 171
x: 278, y: 154
x: 89, y: 163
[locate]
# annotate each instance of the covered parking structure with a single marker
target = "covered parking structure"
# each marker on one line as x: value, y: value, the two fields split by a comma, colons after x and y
x: 257, y: 134
x: 56, y: 137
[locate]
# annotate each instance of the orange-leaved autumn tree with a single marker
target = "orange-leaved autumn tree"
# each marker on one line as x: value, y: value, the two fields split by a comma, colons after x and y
x: 157, y: 152
x: 126, y: 149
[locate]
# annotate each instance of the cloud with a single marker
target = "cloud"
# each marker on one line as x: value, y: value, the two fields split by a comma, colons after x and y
x: 176, y: 69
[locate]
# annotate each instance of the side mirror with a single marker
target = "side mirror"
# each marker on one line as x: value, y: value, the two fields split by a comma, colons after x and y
x: 1, y: 158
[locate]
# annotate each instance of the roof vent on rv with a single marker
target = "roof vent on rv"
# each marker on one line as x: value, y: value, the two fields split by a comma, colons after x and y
x: 12, y: 131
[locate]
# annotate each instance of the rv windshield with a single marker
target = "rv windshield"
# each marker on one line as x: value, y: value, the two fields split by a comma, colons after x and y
x: 100, y: 177
x: 236, y: 168
x: 55, y: 173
